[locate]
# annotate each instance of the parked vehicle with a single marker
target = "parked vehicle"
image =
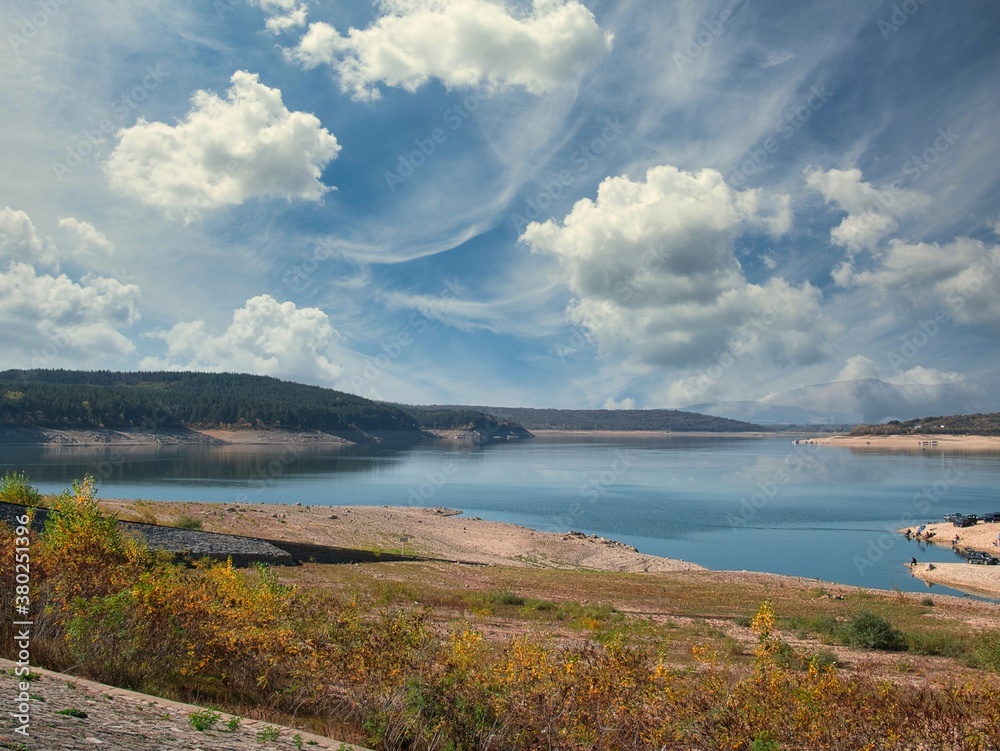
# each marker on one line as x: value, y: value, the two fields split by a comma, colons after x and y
x: 994, y: 517
x: 952, y: 517
x: 978, y: 556
x: 966, y: 521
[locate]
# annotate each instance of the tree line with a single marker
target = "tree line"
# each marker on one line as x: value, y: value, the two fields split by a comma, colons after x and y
x: 977, y: 424
x: 170, y: 400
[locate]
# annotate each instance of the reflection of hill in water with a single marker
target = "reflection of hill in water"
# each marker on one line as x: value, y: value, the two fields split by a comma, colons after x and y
x: 195, y: 463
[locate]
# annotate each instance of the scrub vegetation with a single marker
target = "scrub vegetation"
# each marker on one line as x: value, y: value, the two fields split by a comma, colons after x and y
x: 417, y: 665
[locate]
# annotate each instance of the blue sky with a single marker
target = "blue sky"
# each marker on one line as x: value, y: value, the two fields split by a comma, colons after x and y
x: 553, y: 203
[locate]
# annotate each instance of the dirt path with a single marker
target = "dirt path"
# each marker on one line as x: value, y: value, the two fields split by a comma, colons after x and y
x: 114, y: 718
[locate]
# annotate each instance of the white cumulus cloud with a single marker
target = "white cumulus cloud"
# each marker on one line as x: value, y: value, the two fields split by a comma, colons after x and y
x: 461, y: 43
x: 872, y: 213
x: 961, y: 278
x: 283, y: 15
x: 224, y: 152
x: 654, y: 276
x: 626, y: 403
x: 860, y: 367
x: 49, y: 321
x: 264, y: 337
x: 87, y: 236
x: 20, y: 241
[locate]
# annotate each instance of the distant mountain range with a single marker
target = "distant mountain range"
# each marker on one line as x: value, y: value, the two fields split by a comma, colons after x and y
x: 604, y: 419
x: 866, y: 400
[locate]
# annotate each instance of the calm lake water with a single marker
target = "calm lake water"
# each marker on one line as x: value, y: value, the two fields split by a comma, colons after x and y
x: 760, y: 504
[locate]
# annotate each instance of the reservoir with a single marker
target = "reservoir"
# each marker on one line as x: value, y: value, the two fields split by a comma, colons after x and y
x: 725, y: 502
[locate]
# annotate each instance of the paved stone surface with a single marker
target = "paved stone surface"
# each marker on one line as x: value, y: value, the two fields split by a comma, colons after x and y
x: 118, y: 719
x: 185, y: 542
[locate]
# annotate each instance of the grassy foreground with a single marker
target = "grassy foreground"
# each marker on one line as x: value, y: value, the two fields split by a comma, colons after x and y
x: 400, y: 659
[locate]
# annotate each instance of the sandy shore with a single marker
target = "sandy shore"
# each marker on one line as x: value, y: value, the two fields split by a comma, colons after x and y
x: 435, y: 533
x: 977, y: 580
x: 964, y: 576
x: 980, y: 537
x: 913, y: 442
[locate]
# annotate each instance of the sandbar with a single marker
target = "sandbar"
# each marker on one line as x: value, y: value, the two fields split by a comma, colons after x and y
x: 912, y: 442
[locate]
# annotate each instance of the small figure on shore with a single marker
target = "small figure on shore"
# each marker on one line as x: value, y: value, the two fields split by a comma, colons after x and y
x: 913, y: 561
x: 908, y: 534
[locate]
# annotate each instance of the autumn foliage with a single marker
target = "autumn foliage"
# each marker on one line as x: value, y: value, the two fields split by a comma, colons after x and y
x: 106, y: 607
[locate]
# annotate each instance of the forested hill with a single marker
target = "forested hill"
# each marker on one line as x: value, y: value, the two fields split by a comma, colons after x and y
x: 978, y: 424
x: 72, y: 399
x: 168, y: 400
x: 607, y: 419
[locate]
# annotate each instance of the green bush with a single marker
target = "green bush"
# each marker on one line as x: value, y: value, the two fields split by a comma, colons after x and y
x: 188, y: 522
x: 870, y: 631
x: 15, y: 488
x: 506, y: 597
x: 764, y: 742
x: 986, y: 651
x: 936, y: 643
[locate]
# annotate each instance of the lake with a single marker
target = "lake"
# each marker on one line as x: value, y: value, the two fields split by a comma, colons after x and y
x: 725, y: 502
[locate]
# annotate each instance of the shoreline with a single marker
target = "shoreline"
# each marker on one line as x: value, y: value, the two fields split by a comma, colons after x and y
x: 661, y: 433
x: 437, y: 533
x: 982, y: 581
x: 975, y: 579
x: 19, y: 436
x: 447, y: 535
x: 912, y: 442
